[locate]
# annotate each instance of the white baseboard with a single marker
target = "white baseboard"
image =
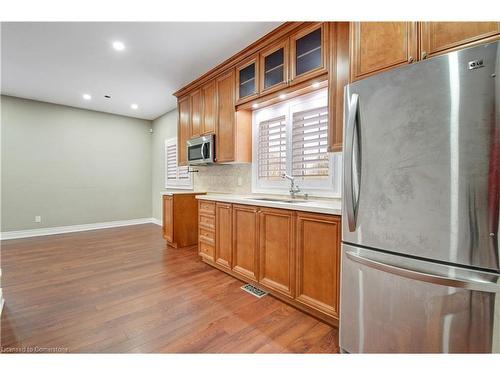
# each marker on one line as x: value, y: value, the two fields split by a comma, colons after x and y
x: 156, y: 221
x: 73, y: 228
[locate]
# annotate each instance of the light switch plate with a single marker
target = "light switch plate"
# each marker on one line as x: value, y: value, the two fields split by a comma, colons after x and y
x: 38, y: 219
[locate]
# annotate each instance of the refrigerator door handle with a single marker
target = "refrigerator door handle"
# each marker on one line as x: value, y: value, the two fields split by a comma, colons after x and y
x: 349, y: 149
x: 482, y: 286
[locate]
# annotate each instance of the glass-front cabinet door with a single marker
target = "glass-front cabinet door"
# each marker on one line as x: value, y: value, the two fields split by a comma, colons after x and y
x: 274, y: 67
x: 247, y: 80
x: 308, y: 52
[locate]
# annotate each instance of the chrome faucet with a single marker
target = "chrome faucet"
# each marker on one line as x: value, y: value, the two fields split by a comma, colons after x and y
x: 294, y: 189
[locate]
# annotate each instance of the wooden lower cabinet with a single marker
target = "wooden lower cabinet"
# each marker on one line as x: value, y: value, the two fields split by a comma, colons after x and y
x: 168, y: 218
x: 277, y: 250
x: 246, y: 241
x: 206, y: 230
x: 293, y: 255
x: 318, y: 262
x: 224, y: 235
x: 180, y: 219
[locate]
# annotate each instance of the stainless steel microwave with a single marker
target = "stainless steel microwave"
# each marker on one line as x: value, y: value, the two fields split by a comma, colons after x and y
x: 201, y: 150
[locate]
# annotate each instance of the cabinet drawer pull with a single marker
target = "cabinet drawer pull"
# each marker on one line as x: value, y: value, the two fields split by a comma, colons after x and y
x: 207, y: 222
x: 206, y: 240
x: 206, y: 249
x: 208, y: 207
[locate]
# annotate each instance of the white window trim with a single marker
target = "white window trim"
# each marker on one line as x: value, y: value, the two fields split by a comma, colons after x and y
x: 330, y: 187
x: 185, y: 184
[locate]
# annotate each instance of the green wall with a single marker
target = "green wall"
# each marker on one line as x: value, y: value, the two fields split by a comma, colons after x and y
x: 164, y: 127
x: 72, y: 166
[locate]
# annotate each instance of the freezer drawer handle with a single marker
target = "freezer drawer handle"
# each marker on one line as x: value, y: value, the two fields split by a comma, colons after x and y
x: 349, y: 148
x: 481, y: 286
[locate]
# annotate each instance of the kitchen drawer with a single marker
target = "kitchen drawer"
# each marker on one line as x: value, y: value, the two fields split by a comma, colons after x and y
x: 207, y: 222
x: 207, y: 236
x: 207, y: 207
x: 206, y: 250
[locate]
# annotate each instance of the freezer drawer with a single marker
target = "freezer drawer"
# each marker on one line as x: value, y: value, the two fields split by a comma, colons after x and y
x: 394, y: 304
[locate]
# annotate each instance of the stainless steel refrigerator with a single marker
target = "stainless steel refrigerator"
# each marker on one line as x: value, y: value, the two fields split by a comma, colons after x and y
x: 420, y: 260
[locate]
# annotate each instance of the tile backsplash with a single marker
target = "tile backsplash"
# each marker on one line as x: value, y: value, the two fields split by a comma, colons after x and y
x: 223, y: 178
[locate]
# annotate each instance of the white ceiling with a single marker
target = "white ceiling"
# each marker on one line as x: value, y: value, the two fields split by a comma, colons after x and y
x: 58, y: 62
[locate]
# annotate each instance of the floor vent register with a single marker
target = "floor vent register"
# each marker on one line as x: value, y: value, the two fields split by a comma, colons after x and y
x: 253, y: 291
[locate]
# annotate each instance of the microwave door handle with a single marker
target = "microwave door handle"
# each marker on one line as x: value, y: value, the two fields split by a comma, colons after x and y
x: 203, y: 151
x: 349, y: 164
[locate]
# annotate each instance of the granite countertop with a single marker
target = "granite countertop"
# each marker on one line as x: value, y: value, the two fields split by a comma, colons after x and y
x: 180, y: 191
x: 318, y: 205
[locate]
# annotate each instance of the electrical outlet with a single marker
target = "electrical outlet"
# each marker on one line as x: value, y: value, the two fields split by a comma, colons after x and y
x: 38, y: 219
x: 240, y: 181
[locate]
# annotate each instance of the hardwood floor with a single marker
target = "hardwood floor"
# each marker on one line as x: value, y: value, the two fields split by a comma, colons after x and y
x: 123, y: 290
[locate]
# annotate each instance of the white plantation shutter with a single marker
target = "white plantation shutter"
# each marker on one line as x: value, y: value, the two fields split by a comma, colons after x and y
x: 171, y: 161
x: 309, y: 143
x: 272, y: 148
x: 175, y: 176
x: 292, y: 137
x: 183, y: 173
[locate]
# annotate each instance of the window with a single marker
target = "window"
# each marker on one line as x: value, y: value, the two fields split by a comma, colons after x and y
x: 175, y: 176
x: 292, y: 137
x: 309, y: 143
x: 272, y: 148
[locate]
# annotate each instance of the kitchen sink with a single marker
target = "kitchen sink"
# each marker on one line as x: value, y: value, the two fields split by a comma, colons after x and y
x: 281, y: 200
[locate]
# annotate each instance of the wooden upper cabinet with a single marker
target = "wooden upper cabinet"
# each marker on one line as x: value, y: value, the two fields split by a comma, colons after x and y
x: 245, y: 241
x: 234, y: 128
x: 247, y: 80
x: 277, y: 250
x: 442, y: 37
x: 183, y: 128
x: 309, y: 52
x: 226, y: 117
x: 209, y: 100
x: 274, y: 67
x: 223, y: 235
x: 379, y: 46
x: 196, y: 113
x: 318, y: 256
x: 338, y: 77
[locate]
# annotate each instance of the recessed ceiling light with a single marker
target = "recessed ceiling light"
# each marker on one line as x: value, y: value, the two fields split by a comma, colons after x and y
x: 255, y: 105
x: 315, y: 85
x: 282, y: 96
x: 87, y: 96
x: 119, y: 46
x: 134, y: 106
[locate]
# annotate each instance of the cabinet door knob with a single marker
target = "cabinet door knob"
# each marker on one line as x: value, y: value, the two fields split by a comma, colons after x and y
x: 410, y: 59
x: 424, y: 54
